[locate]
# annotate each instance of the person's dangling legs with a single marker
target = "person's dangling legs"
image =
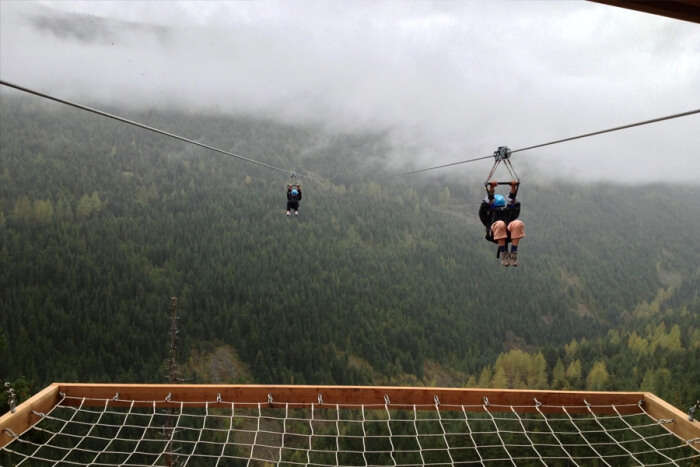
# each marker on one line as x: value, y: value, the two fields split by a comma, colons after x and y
x: 500, y: 235
x: 517, y: 231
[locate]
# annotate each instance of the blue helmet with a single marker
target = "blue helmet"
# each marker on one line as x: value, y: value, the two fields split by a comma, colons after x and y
x: 295, y: 191
x: 499, y: 201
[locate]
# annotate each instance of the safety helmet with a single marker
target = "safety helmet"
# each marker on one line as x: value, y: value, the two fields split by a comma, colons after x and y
x: 295, y: 191
x: 499, y: 201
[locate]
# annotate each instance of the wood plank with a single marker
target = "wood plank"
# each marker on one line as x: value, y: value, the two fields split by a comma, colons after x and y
x: 23, y: 418
x: 687, y: 10
x: 198, y: 395
x: 684, y: 428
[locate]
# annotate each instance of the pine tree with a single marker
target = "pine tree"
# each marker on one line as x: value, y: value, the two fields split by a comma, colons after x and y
x: 573, y: 373
x: 597, y: 379
x: 559, y: 376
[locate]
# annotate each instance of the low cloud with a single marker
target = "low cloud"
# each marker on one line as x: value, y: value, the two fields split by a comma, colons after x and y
x: 446, y: 81
x: 90, y: 29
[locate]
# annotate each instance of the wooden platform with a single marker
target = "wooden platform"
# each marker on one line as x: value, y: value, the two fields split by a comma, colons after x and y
x: 471, y: 399
x: 687, y: 10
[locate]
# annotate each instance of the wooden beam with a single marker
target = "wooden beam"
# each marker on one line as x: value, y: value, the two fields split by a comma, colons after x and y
x: 681, y: 425
x: 23, y: 418
x: 198, y: 395
x: 687, y: 10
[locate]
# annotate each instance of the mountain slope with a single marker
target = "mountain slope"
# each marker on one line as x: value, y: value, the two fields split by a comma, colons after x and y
x: 101, y: 224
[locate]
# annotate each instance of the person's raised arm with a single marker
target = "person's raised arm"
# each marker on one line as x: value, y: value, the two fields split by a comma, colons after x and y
x: 513, y: 191
x: 490, y: 190
x: 513, y: 204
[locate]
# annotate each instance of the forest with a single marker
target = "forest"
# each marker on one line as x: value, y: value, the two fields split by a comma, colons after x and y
x: 378, y: 281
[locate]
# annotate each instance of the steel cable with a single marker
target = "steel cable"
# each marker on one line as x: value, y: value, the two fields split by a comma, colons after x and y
x: 287, y: 171
x: 143, y: 126
x: 585, y: 135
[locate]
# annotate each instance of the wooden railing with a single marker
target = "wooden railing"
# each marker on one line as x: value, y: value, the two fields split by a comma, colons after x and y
x: 473, y: 399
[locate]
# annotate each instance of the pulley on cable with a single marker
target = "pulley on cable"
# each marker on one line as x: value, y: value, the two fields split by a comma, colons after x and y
x: 293, y: 194
x: 502, y: 156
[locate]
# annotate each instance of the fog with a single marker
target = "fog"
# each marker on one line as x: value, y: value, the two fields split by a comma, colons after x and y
x: 445, y: 80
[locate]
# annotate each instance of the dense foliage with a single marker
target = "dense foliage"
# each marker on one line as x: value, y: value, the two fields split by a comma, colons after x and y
x: 377, y: 280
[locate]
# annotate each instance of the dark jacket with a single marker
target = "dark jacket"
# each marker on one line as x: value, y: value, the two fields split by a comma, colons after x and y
x: 489, y: 214
x: 291, y: 197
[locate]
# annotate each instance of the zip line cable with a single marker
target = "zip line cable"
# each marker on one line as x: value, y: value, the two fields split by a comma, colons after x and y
x: 585, y: 135
x: 447, y: 165
x: 609, y: 130
x: 141, y: 125
x: 286, y: 171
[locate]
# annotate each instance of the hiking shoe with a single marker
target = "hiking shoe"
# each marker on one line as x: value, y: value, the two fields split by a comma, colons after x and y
x: 296, y: 213
x: 505, y: 259
x: 514, y: 259
x: 289, y: 213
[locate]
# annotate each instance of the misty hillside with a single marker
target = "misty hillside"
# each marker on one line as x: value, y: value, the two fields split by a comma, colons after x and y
x: 378, y: 281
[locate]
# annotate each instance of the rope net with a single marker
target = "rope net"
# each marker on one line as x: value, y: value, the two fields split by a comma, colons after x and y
x: 108, y: 432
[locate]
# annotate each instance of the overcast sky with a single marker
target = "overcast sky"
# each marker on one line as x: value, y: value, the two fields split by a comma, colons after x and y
x: 450, y: 80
